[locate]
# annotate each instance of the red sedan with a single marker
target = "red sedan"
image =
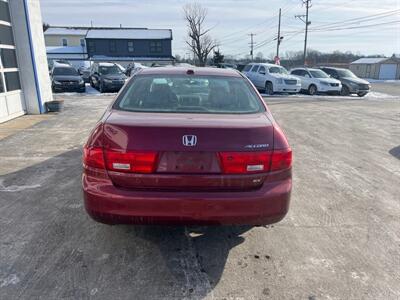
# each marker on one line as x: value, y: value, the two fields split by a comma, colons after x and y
x: 187, y: 146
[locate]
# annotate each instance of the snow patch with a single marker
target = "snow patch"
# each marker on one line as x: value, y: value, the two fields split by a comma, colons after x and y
x: 11, y: 279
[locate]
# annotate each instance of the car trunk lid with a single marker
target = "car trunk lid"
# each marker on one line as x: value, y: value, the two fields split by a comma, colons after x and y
x: 187, y: 148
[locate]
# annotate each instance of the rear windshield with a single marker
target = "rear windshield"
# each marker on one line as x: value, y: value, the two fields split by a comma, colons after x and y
x: 65, y: 71
x: 189, y: 94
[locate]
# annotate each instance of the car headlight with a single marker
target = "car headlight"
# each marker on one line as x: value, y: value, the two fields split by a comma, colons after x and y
x: 279, y: 80
x: 107, y: 80
x: 324, y: 83
x: 57, y: 82
x: 81, y: 81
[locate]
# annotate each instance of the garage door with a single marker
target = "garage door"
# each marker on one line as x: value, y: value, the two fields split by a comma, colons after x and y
x: 388, y: 71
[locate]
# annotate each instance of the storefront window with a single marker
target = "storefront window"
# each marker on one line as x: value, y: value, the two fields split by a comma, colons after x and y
x: 9, y: 74
x: 1, y: 84
x: 8, y: 58
x: 4, y: 12
x: 12, y: 81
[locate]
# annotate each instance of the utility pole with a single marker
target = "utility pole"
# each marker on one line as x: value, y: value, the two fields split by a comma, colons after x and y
x: 301, y: 17
x: 252, y: 46
x: 279, y: 39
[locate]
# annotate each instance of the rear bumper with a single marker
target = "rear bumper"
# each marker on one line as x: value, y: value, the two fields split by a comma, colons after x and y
x: 108, y: 204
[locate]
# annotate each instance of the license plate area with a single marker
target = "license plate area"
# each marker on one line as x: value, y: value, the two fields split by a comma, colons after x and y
x: 188, y: 163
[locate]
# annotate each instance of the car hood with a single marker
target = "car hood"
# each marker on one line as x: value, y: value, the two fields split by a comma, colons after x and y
x: 114, y: 77
x: 329, y: 80
x: 67, y: 77
x: 355, y: 80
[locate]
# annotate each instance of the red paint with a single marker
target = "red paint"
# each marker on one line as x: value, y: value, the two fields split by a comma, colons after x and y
x: 137, y: 170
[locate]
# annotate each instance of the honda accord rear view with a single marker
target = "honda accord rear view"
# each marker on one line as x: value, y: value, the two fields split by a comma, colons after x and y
x: 187, y: 146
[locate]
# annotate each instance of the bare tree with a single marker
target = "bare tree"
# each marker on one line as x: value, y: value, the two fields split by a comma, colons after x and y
x: 199, y: 41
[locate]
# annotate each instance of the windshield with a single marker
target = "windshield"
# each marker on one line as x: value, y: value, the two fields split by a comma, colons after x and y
x: 318, y: 74
x: 109, y: 70
x: 277, y: 70
x: 346, y: 73
x: 65, y: 71
x: 184, y: 94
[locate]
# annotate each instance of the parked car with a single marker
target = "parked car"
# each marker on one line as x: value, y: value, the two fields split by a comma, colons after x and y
x: 106, y: 77
x: 187, y: 146
x: 85, y: 73
x: 272, y: 78
x: 351, y: 84
x: 65, y: 78
x: 316, y: 81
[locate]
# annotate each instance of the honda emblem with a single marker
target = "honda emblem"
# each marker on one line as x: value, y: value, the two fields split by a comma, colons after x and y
x: 189, y: 140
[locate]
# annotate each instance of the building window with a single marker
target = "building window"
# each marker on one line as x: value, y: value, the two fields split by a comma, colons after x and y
x: 8, y: 58
x: 130, y: 47
x: 6, y: 35
x: 113, y: 46
x: 64, y: 42
x: 156, y: 47
x: 9, y: 75
x: 4, y: 12
x: 83, y: 44
x: 12, y: 81
x: 1, y: 84
x: 91, y: 47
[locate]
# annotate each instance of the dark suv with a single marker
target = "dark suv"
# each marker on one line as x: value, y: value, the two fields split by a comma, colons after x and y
x: 107, y: 77
x: 351, y: 84
x: 65, y: 78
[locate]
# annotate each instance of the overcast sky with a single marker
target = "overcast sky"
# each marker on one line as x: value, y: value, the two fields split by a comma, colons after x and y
x: 233, y: 20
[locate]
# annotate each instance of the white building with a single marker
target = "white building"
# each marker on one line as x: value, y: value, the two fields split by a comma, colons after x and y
x: 24, y: 79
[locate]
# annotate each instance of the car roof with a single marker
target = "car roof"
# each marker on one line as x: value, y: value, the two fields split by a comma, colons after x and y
x: 304, y: 68
x: 266, y: 64
x: 333, y: 68
x: 60, y: 65
x: 201, y: 71
x: 106, y: 64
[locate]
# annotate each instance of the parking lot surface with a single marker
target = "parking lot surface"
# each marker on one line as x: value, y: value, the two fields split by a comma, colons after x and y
x: 340, y: 240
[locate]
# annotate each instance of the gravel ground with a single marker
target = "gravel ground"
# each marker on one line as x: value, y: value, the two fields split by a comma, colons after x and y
x: 340, y: 240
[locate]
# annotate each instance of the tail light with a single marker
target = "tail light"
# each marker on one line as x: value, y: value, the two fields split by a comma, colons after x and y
x: 255, y: 162
x: 281, y: 159
x: 93, y: 157
x: 131, y: 161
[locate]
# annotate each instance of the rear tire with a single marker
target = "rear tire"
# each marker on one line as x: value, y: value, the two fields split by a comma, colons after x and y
x: 269, y: 88
x: 312, y: 90
x: 345, y: 91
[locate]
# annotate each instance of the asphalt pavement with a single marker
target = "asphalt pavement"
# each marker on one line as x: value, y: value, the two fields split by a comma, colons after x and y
x: 340, y: 240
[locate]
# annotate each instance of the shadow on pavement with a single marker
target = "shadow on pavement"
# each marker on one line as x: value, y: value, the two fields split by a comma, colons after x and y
x: 395, y: 152
x: 52, y: 249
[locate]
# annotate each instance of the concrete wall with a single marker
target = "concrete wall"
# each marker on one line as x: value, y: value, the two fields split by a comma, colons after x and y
x: 141, y: 48
x: 31, y: 53
x: 56, y: 40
